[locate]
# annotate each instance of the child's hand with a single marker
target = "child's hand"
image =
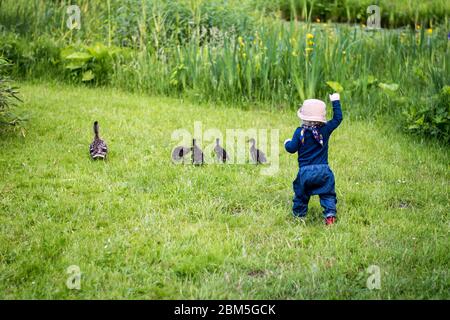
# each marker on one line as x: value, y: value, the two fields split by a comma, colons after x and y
x: 334, y: 97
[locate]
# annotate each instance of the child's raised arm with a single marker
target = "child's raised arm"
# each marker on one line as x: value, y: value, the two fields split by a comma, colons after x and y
x: 337, y: 113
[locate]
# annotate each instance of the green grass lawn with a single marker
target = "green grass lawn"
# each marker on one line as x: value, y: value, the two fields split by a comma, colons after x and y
x: 139, y: 226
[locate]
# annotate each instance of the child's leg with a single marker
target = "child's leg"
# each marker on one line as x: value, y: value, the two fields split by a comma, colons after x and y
x: 301, y: 199
x: 328, y: 202
x: 300, y: 207
x: 328, y: 196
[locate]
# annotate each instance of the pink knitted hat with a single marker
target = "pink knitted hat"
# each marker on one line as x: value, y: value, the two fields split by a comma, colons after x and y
x: 313, y: 110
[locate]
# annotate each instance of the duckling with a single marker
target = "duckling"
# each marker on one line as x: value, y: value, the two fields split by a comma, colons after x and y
x: 220, y: 152
x: 179, y: 152
x: 197, y: 154
x: 98, y: 148
x: 257, y: 155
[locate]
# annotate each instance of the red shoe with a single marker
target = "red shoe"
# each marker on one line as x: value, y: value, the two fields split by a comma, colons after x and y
x: 330, y: 220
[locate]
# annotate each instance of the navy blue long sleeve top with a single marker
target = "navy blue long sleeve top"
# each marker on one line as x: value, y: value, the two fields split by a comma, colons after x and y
x: 311, y: 152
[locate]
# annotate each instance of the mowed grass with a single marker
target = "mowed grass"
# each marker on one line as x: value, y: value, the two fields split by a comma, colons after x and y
x: 139, y: 226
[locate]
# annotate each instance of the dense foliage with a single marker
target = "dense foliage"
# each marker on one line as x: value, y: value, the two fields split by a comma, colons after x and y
x: 8, y: 97
x: 232, y: 52
x: 393, y: 13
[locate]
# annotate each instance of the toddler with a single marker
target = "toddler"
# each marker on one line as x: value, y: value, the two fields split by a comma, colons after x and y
x: 310, y: 140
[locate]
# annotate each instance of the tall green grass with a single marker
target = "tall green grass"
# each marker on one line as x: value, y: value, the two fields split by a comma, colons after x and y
x: 219, y: 51
x: 392, y: 13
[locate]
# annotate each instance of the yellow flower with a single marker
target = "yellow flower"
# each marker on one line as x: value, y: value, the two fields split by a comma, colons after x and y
x: 402, y: 37
x: 257, y: 39
x: 309, y: 36
x: 430, y: 31
x: 310, y: 43
x: 241, y: 41
x: 309, y: 50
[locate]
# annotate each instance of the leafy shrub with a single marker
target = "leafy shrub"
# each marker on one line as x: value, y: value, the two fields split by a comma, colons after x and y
x: 40, y: 56
x: 90, y: 63
x: 8, y: 97
x: 432, y: 116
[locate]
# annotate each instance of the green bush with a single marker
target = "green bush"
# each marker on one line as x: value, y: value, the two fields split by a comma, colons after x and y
x: 432, y: 116
x: 31, y: 58
x: 90, y: 64
x: 8, y: 97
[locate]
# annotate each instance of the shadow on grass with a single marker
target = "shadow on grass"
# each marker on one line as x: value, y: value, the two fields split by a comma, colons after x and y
x: 10, y: 133
x: 313, y: 217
